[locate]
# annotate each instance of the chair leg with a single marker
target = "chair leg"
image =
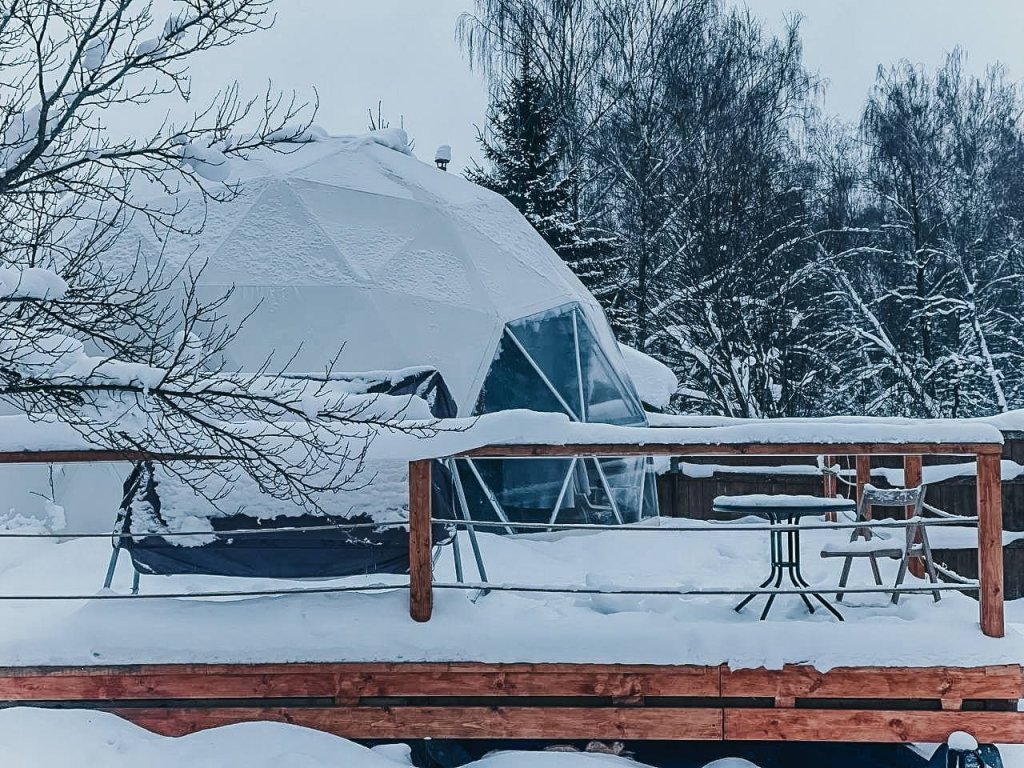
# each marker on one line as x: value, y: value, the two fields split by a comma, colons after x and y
x: 874, y: 569
x: 111, y: 567
x: 900, y: 576
x: 135, y: 582
x: 844, y: 577
x: 929, y: 565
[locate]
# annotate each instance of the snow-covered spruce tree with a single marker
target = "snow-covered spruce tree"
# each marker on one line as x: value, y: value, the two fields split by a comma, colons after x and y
x: 522, y: 162
x: 129, y: 357
x: 563, y: 42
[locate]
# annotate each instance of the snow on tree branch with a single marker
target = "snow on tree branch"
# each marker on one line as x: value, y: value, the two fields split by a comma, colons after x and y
x: 132, y: 357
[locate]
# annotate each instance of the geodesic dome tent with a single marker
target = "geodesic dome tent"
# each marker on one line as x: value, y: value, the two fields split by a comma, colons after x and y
x: 351, y: 244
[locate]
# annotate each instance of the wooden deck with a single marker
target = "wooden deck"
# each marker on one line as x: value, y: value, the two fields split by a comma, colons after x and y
x: 546, y: 701
x: 470, y: 700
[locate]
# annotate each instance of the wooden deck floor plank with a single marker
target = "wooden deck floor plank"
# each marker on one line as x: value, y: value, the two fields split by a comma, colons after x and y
x: 878, y: 726
x: 995, y: 682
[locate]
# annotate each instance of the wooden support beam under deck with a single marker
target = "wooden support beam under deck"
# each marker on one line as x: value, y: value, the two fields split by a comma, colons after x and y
x: 877, y: 726
x: 452, y: 722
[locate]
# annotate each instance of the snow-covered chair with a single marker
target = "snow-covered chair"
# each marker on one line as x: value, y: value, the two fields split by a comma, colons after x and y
x: 872, y: 544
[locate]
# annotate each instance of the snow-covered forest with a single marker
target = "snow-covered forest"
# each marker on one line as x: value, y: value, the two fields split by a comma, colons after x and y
x: 782, y: 262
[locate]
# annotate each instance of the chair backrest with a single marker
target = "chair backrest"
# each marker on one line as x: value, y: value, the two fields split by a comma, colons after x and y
x: 890, y: 497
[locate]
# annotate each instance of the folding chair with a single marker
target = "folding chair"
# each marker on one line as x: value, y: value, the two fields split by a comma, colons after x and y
x: 873, y: 544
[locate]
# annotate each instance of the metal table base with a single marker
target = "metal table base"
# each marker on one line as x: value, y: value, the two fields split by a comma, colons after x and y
x: 785, y: 559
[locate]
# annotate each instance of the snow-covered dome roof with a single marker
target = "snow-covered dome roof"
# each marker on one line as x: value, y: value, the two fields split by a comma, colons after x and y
x: 353, y: 242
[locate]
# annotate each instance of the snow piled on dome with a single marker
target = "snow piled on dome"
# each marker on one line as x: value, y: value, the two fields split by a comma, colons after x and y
x: 351, y: 244
x: 655, y: 382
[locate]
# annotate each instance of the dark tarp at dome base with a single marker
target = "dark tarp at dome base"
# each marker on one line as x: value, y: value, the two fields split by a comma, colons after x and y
x: 278, y: 550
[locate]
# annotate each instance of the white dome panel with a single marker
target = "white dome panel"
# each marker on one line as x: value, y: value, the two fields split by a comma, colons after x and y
x: 346, y: 242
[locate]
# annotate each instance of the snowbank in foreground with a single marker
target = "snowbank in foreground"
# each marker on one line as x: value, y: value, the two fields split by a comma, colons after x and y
x: 98, y: 739
x: 89, y: 739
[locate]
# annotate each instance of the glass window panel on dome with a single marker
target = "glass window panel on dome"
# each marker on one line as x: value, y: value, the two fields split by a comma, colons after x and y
x: 609, y: 400
x: 512, y: 382
x: 527, y: 489
x: 477, y: 503
x: 549, y: 339
x: 625, y: 477
x: 591, y: 503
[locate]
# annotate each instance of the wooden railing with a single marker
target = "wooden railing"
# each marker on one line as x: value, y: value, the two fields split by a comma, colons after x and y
x: 990, y: 524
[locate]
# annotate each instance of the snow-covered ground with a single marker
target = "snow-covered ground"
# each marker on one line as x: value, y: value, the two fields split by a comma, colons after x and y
x: 98, y: 740
x: 499, y: 626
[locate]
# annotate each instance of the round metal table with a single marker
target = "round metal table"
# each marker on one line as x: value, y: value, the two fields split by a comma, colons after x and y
x: 786, y: 512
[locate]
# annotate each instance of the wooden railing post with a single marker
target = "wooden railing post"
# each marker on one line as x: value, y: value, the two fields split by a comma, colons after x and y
x: 828, y: 478
x: 912, y: 475
x: 863, y: 478
x: 829, y: 486
x: 421, y: 575
x: 990, y: 543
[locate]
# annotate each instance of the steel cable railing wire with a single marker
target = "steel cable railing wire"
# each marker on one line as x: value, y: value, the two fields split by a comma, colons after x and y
x: 209, y: 532
x: 946, y: 518
x: 963, y: 585
x: 540, y: 527
x: 967, y: 586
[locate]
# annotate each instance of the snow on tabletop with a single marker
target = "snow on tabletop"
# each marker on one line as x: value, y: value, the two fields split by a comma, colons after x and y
x: 782, y: 500
x: 655, y: 381
x: 88, y: 739
x: 499, y: 626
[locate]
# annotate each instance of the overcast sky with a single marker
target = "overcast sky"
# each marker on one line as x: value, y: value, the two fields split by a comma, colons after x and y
x: 404, y: 53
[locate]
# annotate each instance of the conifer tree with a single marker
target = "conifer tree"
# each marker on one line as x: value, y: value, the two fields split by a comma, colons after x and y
x: 523, y: 163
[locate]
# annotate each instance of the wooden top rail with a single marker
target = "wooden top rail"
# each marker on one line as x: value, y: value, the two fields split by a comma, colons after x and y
x: 511, y: 451
x: 98, y: 455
